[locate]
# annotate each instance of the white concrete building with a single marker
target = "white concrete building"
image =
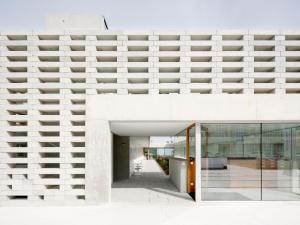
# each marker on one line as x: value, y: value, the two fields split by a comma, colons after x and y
x: 66, y: 90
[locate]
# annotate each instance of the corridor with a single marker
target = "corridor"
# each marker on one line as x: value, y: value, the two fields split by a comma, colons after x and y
x: 151, y: 185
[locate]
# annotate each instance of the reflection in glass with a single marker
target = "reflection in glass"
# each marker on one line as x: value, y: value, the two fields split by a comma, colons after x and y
x: 250, y: 161
x: 180, y: 145
x: 230, y: 162
x: 280, y: 162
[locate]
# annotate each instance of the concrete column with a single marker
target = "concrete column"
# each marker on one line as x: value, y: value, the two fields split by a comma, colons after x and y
x: 198, y: 161
x: 98, y: 162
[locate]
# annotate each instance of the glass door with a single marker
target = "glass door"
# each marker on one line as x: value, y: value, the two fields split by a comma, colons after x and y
x: 280, y: 162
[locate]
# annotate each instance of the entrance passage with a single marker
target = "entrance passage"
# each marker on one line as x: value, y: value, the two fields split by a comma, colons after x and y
x: 148, y: 185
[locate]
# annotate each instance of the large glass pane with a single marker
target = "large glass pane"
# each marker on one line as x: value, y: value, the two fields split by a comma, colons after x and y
x: 280, y: 161
x: 230, y: 161
x: 180, y: 145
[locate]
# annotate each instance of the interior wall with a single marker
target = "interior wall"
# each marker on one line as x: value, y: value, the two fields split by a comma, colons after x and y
x: 120, y: 158
x: 137, y: 144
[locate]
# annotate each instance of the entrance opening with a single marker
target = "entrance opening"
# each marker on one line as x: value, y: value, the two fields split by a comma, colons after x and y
x: 155, y: 165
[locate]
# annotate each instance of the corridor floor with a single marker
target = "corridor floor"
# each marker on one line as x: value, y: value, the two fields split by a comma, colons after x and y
x: 151, y: 185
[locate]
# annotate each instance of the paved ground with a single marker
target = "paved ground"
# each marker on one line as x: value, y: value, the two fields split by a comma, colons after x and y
x: 225, y: 213
x: 151, y: 186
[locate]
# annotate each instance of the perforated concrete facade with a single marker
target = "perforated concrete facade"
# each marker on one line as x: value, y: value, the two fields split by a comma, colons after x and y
x: 46, y: 77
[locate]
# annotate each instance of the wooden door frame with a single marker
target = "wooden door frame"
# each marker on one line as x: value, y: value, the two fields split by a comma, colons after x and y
x: 188, y: 156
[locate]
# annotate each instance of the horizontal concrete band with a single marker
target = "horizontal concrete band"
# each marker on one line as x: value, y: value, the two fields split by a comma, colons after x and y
x: 207, y: 108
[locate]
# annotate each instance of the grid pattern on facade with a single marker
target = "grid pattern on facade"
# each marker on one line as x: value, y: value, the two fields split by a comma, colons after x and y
x: 46, y: 76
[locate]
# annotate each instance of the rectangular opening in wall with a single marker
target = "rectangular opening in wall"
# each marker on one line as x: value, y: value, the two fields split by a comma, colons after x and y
x: 294, y: 37
x: 264, y: 37
x: 264, y: 69
x: 49, y: 112
x: 106, y: 91
x: 106, y: 69
x: 17, y: 123
x: 77, y: 48
x: 232, y: 69
x: 292, y: 91
x: 77, y: 37
x: 137, y: 69
x: 292, y: 59
x: 292, y: 80
x: 138, y: 37
x: 169, y: 80
x: 17, y: 69
x: 138, y: 80
x: 17, y: 37
x: 107, y: 37
x: 17, y: 58
x: 232, y: 48
x: 169, y: 69
x: 201, y: 70
x: 17, y: 197
x: 106, y: 80
x: 48, y: 48
x: 138, y: 91
x: 49, y: 69
x: 49, y: 58
x: 49, y: 123
x: 169, y: 37
x: 200, y: 48
x: 49, y: 102
x: 232, y: 91
x: 138, y: 59
x: 56, y: 187
x: 17, y: 48
x: 77, y: 59
x: 49, y: 176
x: 236, y: 37
x: 169, y: 59
x: 233, y: 59
x: 264, y: 91
x: 106, y: 48
x: 292, y: 69
x: 49, y: 154
x: 48, y: 37
x: 50, y: 165
x: 17, y: 101
x: 169, y: 48
x: 169, y: 91
x: 201, y: 80
x: 49, y: 144
x: 138, y: 48
x: 264, y: 80
x: 201, y: 59
x: 264, y: 59
x: 292, y: 48
x: 106, y: 59
x: 49, y: 80
x: 264, y: 48
x: 17, y: 80
x: 201, y: 37
x: 232, y: 80
x: 201, y: 91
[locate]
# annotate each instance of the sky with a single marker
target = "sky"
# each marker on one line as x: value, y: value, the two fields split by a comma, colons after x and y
x: 158, y: 14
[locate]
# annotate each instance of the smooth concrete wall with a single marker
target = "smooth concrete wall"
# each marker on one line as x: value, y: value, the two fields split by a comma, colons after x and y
x: 137, y: 144
x: 203, y: 108
x: 178, y: 173
x: 120, y: 158
x: 98, y: 162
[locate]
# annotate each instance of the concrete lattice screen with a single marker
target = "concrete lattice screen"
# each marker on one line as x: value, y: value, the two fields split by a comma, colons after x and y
x: 46, y: 77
